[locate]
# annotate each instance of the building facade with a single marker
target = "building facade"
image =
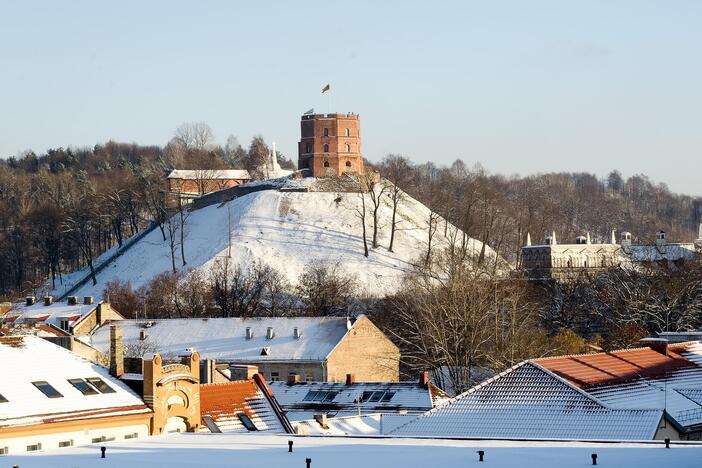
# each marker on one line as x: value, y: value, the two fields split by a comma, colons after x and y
x: 330, y: 145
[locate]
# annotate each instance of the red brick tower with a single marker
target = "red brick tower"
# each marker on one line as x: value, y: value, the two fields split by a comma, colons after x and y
x: 330, y: 144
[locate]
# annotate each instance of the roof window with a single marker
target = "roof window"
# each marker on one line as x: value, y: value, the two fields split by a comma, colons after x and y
x: 47, y: 389
x: 247, y: 422
x: 320, y: 396
x: 83, y: 387
x: 100, y: 384
x: 378, y: 396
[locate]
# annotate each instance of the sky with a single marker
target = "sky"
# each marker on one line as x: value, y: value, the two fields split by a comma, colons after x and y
x: 519, y: 87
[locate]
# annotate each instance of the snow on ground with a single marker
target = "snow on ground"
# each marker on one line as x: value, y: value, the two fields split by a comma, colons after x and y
x: 252, y: 451
x: 286, y: 230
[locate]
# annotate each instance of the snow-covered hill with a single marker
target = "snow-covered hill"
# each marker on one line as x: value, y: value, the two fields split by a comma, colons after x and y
x: 286, y: 230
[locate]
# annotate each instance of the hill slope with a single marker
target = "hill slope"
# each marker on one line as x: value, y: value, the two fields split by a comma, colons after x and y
x: 286, y: 230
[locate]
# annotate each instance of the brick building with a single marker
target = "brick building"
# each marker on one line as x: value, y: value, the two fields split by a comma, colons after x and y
x: 330, y: 144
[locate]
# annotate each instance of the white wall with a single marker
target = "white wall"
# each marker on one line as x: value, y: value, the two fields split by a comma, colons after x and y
x: 18, y: 445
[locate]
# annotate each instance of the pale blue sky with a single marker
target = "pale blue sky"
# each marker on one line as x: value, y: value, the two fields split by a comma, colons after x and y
x: 520, y: 87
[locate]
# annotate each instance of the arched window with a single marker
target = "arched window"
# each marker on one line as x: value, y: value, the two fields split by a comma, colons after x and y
x: 348, y: 163
x: 348, y: 133
x: 326, y: 132
x: 326, y: 163
x: 348, y: 148
x: 326, y: 148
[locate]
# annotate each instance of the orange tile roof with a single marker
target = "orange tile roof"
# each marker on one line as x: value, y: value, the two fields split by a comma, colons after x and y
x: 225, y: 399
x: 586, y: 370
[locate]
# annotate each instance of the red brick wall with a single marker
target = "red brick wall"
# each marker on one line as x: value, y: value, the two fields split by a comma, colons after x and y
x: 313, y: 140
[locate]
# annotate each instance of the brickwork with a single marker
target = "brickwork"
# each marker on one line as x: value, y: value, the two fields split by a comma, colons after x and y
x: 330, y: 144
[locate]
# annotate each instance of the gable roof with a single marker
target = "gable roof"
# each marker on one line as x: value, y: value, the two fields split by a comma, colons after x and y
x: 340, y: 399
x: 224, y: 339
x: 641, y: 378
x: 585, y: 370
x: 49, y: 315
x: 222, y: 402
x: 27, y: 359
x: 530, y: 402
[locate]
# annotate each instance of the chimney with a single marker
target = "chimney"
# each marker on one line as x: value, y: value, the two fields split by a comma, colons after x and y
x: 296, y: 333
x: 293, y: 379
x: 242, y: 372
x: 87, y: 300
x: 249, y: 333
x: 659, y: 345
x: 142, y: 335
x: 424, y: 379
x: 72, y: 300
x: 116, y: 351
x: 269, y: 333
x: 30, y: 300
x: 48, y: 300
x: 350, y: 379
x: 661, y: 238
x: 321, y: 418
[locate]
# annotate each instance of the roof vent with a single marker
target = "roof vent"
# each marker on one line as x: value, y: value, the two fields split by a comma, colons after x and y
x: 48, y: 300
x: 30, y: 300
x: 87, y: 300
x: 72, y: 300
x: 297, y: 334
x: 249, y: 333
x: 266, y: 351
x: 270, y: 334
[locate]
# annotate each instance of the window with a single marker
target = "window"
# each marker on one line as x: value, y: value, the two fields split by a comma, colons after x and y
x: 326, y: 148
x: 33, y: 447
x: 326, y: 132
x: 348, y: 148
x: 100, y: 384
x: 2, y: 399
x: 348, y: 133
x: 4, y: 451
x: 47, y: 389
x: 326, y: 163
x: 63, y: 324
x: 320, y: 396
x: 379, y: 396
x: 307, y: 148
x: 97, y: 440
x: 348, y: 163
x: 247, y: 422
x: 133, y: 435
x: 83, y: 386
x: 66, y: 443
x: 275, y: 376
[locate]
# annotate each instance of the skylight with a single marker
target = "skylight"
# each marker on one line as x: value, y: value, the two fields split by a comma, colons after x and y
x: 84, y: 387
x: 47, y: 389
x: 2, y: 399
x: 321, y: 395
x: 100, y: 384
x: 247, y: 422
x: 382, y: 396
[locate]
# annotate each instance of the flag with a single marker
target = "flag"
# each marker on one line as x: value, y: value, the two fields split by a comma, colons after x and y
x: 326, y: 88
x: 309, y: 112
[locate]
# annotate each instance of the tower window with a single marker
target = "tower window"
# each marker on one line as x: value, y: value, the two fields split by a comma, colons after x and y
x: 326, y: 163
x: 326, y: 132
x: 348, y: 133
x: 326, y: 148
x: 348, y: 163
x: 348, y: 148
x: 307, y: 148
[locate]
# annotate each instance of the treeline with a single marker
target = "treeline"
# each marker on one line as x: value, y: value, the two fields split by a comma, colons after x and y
x: 500, y: 210
x: 61, y: 209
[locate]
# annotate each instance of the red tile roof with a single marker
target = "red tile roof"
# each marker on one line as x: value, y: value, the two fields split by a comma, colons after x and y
x: 586, y: 370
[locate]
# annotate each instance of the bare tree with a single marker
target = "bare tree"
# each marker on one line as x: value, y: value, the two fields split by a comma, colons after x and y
x: 361, y: 212
x: 396, y: 169
x: 193, y: 136
x: 326, y: 289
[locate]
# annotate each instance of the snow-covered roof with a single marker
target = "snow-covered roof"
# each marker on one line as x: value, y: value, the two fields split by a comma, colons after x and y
x: 271, y: 450
x: 641, y: 378
x: 302, y: 400
x: 28, y: 359
x: 354, y: 424
x: 654, y: 253
x: 48, y: 315
x: 209, y: 174
x: 224, y: 339
x: 530, y: 402
x: 223, y: 402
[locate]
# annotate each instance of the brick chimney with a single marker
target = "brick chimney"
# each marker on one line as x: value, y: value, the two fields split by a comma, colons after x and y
x: 116, y: 351
x: 350, y: 379
x: 87, y: 300
x: 30, y: 300
x: 660, y: 345
x: 72, y: 300
x: 48, y: 300
x: 424, y: 379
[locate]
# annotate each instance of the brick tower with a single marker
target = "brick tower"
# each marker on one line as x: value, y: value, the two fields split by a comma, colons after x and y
x: 330, y: 144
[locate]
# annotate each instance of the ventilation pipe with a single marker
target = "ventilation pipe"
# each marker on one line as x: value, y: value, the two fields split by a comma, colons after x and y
x: 269, y: 333
x: 296, y: 333
x: 249, y: 333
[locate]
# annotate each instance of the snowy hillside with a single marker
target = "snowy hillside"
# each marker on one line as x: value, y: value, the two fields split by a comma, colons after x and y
x: 286, y: 230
